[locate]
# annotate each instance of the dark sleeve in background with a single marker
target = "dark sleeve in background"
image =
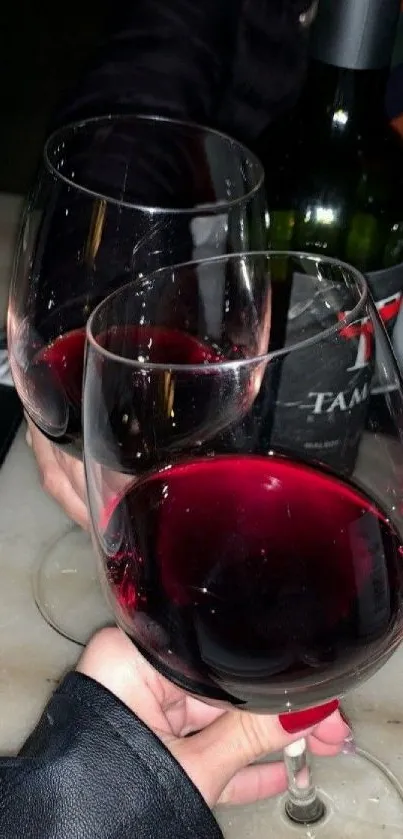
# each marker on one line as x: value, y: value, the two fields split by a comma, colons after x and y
x: 232, y: 64
x: 169, y: 57
x: 92, y: 770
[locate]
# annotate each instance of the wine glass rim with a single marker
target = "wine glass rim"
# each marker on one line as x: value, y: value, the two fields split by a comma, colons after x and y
x: 214, y: 208
x: 350, y: 317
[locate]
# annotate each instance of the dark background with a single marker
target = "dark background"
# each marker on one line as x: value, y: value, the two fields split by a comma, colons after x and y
x: 44, y: 48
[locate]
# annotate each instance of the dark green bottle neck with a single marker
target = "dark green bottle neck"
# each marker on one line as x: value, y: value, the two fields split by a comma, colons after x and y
x: 345, y: 101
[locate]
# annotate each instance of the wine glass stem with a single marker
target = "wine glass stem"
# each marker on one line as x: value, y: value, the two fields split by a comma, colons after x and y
x: 303, y: 804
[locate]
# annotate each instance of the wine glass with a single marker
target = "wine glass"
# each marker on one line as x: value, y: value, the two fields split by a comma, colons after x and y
x: 246, y: 502
x: 116, y: 197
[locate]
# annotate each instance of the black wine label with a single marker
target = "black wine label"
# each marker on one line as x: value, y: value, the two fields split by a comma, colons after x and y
x: 355, y: 34
x: 323, y: 393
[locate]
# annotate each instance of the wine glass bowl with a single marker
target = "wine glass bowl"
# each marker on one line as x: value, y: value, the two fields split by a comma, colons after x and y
x: 116, y: 198
x: 244, y: 566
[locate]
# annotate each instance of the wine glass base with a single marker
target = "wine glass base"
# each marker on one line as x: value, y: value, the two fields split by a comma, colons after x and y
x: 363, y: 800
x: 66, y: 588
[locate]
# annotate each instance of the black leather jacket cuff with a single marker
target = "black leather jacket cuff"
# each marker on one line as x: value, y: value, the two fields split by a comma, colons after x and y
x: 93, y: 770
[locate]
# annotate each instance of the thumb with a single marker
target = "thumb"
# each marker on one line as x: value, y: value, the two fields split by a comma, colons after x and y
x: 213, y: 756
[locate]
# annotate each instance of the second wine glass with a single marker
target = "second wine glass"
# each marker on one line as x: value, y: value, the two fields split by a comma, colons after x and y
x: 116, y: 197
x: 246, y: 502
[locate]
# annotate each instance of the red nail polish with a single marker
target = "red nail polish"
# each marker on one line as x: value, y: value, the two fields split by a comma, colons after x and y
x: 299, y: 720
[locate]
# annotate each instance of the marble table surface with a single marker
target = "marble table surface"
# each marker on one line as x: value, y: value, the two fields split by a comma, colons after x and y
x: 33, y: 656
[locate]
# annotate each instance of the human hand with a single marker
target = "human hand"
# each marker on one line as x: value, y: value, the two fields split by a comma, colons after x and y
x: 61, y: 475
x: 223, y: 743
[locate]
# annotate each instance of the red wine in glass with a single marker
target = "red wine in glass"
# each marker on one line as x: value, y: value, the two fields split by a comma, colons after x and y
x: 52, y: 379
x: 231, y: 583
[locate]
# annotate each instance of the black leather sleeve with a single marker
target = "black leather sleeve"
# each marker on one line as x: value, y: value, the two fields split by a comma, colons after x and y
x: 93, y: 770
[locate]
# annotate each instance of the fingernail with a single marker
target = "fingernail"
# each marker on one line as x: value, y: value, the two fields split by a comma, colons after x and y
x: 299, y: 720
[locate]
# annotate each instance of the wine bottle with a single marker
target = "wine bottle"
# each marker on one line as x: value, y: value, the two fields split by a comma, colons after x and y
x: 334, y: 180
